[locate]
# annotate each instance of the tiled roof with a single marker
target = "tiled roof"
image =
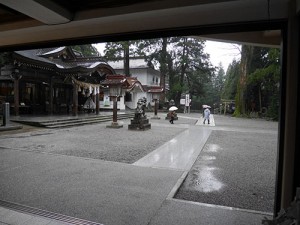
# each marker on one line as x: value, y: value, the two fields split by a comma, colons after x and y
x: 133, y: 82
x: 133, y: 63
x: 155, y: 89
x: 37, y: 56
x: 115, y: 80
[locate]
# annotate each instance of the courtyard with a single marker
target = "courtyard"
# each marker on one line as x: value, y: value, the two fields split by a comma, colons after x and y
x: 181, y: 173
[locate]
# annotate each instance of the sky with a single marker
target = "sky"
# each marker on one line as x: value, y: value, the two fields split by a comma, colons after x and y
x: 222, y: 52
x: 218, y: 51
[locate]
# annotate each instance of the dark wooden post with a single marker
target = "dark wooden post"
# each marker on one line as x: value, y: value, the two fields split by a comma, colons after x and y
x: 51, y: 96
x: 16, y: 95
x: 97, y: 103
x: 155, y: 107
x: 75, y: 100
x: 115, y: 109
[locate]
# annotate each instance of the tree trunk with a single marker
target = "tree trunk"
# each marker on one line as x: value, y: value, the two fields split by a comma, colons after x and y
x: 126, y: 59
x: 259, y: 96
x: 246, y: 57
x: 163, y: 68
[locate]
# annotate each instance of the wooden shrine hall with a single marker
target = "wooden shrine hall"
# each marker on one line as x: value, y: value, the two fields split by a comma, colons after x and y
x: 51, y: 81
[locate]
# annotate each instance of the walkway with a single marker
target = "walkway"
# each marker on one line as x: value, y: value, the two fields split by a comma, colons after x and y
x: 180, y: 153
x: 112, y: 193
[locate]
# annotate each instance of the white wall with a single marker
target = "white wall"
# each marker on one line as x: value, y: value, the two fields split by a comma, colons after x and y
x: 136, y: 95
x: 106, y: 104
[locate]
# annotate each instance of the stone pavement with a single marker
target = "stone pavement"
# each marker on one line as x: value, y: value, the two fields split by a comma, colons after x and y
x: 111, y: 192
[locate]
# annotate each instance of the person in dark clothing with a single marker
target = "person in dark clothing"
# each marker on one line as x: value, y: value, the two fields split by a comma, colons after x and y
x: 172, y: 115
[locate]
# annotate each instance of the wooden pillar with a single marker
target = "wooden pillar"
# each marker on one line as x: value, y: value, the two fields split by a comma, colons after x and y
x: 75, y: 100
x: 289, y: 131
x: 115, y: 109
x: 51, y: 96
x: 97, y: 103
x: 16, y: 95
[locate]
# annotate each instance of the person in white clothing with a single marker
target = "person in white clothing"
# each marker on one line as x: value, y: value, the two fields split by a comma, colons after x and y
x: 206, y: 115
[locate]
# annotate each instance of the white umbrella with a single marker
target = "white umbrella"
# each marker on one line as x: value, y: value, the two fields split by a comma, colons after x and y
x: 173, y: 108
x: 205, y: 106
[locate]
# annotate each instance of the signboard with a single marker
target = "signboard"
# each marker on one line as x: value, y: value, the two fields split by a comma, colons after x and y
x: 187, y: 100
x: 182, y: 101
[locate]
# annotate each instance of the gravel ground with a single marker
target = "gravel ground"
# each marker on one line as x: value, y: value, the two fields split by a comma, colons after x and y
x: 94, y: 141
x: 235, y: 169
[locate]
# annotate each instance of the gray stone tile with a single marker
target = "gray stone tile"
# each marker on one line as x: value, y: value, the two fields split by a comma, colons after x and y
x: 55, y: 222
x: 15, y: 218
x: 3, y: 212
x: 36, y: 220
x: 3, y: 223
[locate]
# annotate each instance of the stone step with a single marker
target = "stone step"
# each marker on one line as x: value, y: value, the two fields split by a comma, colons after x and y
x: 61, y: 123
x: 79, y: 122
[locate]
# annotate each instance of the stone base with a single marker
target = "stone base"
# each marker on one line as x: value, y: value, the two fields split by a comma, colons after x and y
x: 114, y: 125
x: 140, y: 127
x: 139, y: 122
x: 168, y: 118
x: 10, y: 127
x: 155, y: 118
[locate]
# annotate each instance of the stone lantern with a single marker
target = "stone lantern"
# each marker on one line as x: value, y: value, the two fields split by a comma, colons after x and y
x: 115, y: 84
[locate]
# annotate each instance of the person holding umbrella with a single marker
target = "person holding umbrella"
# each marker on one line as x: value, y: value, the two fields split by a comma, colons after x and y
x: 206, y: 114
x: 172, y: 113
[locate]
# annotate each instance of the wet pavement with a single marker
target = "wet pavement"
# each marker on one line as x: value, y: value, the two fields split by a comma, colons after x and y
x: 177, y: 153
x: 109, y: 192
x: 236, y: 168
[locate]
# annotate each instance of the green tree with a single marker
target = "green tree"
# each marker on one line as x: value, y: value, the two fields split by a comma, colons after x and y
x: 218, y: 83
x: 240, y: 101
x: 265, y: 81
x: 231, y: 78
x: 120, y: 51
x: 192, y: 66
x: 156, y: 53
x: 181, y: 61
x: 86, y: 50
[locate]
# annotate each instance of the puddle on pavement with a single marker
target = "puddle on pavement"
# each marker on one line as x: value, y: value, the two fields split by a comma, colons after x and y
x: 202, y: 177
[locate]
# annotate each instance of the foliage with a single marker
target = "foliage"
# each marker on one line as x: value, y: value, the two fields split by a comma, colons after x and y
x: 266, y: 81
x: 258, y: 82
x: 191, y: 66
x: 181, y: 60
x: 187, y: 69
x: 245, y: 67
x: 120, y: 50
x: 86, y: 50
x: 231, y: 78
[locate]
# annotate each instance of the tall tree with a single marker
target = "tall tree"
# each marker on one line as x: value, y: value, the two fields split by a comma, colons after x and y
x: 246, y: 58
x: 86, y: 50
x: 181, y: 61
x: 231, y: 78
x: 192, y: 65
x: 265, y: 82
x: 120, y: 51
x: 156, y: 53
x: 218, y: 82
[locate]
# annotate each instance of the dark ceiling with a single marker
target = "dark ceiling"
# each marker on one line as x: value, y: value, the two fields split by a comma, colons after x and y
x: 31, y: 22
x: 77, y: 5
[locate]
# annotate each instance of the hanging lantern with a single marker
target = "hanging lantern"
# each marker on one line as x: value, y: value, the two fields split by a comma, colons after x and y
x: 79, y: 89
